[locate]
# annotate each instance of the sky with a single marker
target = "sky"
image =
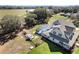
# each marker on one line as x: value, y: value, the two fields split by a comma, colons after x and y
x: 39, y: 2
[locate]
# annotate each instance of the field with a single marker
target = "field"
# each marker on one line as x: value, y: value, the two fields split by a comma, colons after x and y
x: 18, y: 12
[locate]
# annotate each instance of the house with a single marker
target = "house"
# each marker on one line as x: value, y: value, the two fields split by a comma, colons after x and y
x: 75, y: 15
x: 61, y: 32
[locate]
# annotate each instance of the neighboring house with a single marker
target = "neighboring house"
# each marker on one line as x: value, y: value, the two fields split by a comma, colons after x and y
x: 61, y: 32
x: 75, y: 15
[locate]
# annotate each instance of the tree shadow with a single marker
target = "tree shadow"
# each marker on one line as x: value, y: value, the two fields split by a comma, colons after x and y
x: 5, y: 38
x: 55, y: 48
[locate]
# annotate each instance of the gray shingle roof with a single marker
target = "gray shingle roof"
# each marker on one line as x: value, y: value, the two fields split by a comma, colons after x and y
x: 66, y: 30
x: 65, y: 23
x: 59, y: 38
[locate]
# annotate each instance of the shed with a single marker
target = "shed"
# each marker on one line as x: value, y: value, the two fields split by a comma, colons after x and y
x: 29, y: 36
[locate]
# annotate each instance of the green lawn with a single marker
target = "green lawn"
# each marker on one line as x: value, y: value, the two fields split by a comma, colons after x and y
x: 59, y: 17
x: 48, y: 48
x: 33, y: 30
x: 42, y: 49
x: 37, y: 40
x: 76, y: 51
x: 56, y: 17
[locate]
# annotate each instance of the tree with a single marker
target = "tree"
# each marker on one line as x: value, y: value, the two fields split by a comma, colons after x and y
x: 42, y: 14
x: 76, y: 23
x: 75, y: 18
x: 10, y: 24
x: 30, y: 20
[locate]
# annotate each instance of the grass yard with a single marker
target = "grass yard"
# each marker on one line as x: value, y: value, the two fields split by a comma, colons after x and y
x: 33, y: 30
x: 42, y: 49
x: 56, y: 17
x: 37, y: 40
x: 76, y: 51
x: 48, y: 48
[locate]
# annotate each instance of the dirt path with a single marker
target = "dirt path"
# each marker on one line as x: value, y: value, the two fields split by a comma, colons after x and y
x: 15, y: 45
